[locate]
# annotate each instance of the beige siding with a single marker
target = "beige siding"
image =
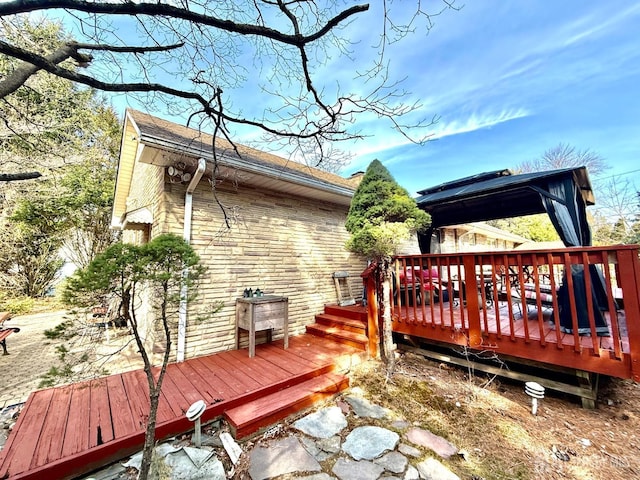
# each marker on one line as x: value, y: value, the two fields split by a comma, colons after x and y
x: 146, y: 191
x: 283, y: 245
x: 127, y: 159
x: 458, y: 240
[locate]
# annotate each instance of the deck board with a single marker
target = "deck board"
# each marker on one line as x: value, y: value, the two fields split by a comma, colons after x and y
x: 245, y: 382
x: 257, y: 367
x: 66, y: 443
x: 220, y: 389
x: 19, y: 454
x: 204, y: 390
x: 236, y: 387
x: 172, y: 398
x: 50, y: 441
x: 321, y: 349
x: 137, y: 392
x: 100, y: 427
x: 289, y: 362
x: 182, y: 383
x: 76, y: 435
x: 121, y: 417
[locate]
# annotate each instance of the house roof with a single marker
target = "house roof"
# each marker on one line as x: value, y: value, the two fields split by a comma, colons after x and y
x: 497, y: 194
x: 490, y: 232
x: 155, y: 141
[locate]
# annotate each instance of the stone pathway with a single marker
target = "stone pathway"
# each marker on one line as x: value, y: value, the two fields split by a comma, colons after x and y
x: 320, y: 446
x: 31, y: 355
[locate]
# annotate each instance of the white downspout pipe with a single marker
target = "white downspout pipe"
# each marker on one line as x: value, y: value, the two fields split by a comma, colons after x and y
x: 188, y: 214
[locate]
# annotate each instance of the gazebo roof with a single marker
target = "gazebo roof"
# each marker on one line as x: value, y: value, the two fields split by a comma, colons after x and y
x: 497, y: 194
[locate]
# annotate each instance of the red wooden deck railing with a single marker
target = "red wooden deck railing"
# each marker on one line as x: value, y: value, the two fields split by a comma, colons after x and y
x: 509, y: 302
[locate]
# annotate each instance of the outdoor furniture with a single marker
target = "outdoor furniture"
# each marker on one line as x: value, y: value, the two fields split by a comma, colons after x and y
x: 261, y: 313
x: 341, y: 279
x: 531, y: 296
x: 420, y: 286
x: 5, y: 331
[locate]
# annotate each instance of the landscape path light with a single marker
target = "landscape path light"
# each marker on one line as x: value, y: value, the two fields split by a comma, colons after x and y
x: 193, y: 415
x: 536, y: 392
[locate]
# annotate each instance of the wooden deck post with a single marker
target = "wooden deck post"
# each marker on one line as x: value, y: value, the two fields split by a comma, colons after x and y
x: 373, y: 331
x: 629, y: 268
x: 473, y: 303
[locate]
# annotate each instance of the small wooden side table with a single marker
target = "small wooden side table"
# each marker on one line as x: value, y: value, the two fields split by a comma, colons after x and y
x: 261, y: 313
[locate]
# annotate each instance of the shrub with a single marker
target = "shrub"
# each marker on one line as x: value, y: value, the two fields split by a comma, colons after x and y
x: 18, y: 306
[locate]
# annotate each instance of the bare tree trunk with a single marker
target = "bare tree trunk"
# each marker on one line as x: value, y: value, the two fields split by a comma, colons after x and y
x: 383, y: 284
x: 155, y: 387
x: 150, y: 434
x: 388, y: 346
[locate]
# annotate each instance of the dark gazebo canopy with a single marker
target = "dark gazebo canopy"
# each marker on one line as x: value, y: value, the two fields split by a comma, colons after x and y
x: 564, y: 194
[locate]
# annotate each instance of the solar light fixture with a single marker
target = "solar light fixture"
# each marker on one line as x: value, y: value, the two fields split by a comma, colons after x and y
x: 536, y: 392
x: 193, y: 415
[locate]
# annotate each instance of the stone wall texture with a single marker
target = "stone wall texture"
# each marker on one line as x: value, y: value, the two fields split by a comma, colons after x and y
x: 281, y: 244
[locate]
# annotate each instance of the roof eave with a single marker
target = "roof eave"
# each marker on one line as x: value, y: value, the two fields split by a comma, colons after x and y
x: 242, y: 165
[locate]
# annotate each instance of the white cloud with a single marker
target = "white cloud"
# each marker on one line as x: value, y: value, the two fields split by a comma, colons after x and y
x: 477, y: 122
x: 388, y: 139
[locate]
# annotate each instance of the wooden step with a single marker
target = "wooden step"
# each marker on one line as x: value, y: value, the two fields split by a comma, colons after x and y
x: 263, y: 412
x: 357, y: 340
x: 348, y: 324
x: 355, y: 312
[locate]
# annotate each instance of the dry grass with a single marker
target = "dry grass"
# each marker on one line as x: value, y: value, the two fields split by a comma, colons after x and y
x: 495, y: 426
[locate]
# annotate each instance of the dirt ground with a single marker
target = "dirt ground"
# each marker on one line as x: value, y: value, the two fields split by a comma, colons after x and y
x: 490, y: 420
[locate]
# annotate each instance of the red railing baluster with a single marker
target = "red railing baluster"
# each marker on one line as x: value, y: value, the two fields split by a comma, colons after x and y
x: 546, y: 281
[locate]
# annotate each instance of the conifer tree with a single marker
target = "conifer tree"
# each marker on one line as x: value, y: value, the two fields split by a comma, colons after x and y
x: 382, y: 216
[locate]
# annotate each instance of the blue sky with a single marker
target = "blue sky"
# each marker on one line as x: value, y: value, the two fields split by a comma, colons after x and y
x: 510, y: 80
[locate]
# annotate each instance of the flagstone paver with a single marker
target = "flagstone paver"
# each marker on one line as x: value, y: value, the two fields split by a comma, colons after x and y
x: 324, y: 423
x: 424, y: 438
x: 280, y: 457
x: 369, y: 442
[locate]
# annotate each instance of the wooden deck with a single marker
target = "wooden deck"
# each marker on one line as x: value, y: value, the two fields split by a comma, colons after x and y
x: 68, y: 431
x: 529, y: 329
x: 531, y: 336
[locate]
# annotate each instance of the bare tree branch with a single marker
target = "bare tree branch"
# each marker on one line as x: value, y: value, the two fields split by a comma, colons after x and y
x: 168, y: 10
x: 43, y: 63
x: 20, y: 75
x: 193, y: 56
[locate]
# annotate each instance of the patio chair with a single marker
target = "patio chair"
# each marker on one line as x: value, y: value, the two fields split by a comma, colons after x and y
x: 423, y: 286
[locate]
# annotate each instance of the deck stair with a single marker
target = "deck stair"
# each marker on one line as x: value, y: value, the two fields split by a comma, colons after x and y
x: 248, y: 418
x: 342, y: 324
x: 346, y: 325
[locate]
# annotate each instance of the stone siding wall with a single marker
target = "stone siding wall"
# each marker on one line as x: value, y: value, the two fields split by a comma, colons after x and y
x: 281, y: 244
